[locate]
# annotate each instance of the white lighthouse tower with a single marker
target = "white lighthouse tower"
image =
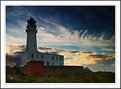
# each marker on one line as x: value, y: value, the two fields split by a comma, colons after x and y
x: 31, y: 43
x: 31, y: 35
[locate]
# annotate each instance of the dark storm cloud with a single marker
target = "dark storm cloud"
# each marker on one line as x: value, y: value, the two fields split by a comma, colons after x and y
x: 22, y: 47
x: 99, y: 56
x: 97, y: 19
x: 13, y: 58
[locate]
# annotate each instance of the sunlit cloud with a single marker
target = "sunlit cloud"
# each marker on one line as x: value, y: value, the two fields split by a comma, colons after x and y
x: 84, y: 58
x: 13, y: 49
x: 71, y: 58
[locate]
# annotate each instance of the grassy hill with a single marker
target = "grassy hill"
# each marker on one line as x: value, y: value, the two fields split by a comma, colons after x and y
x: 15, y: 75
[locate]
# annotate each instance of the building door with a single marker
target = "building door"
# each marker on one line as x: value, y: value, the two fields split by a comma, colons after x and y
x: 47, y: 63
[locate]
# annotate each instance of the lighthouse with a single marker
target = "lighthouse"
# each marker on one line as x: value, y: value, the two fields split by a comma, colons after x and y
x: 31, y: 53
x: 31, y: 35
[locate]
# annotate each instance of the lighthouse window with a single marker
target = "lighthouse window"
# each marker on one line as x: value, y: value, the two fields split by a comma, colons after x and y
x: 32, y: 55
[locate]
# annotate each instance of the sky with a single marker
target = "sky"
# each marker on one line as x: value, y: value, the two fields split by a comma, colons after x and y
x: 90, y: 30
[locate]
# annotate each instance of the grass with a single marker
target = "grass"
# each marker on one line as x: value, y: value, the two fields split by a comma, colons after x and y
x: 15, y: 75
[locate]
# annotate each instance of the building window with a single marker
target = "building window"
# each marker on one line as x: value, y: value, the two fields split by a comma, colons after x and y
x: 60, y: 64
x: 52, y: 58
x: 53, y: 64
x: 42, y: 56
x: 60, y: 58
x: 32, y: 55
x: 56, y: 58
x: 47, y: 63
x: 37, y: 56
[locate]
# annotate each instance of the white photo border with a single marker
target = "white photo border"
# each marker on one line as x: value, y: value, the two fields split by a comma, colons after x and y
x: 61, y: 3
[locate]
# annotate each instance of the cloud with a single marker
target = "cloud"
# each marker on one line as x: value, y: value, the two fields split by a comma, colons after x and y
x: 104, y: 65
x: 13, y: 49
x: 51, y: 33
x: 12, y: 60
x: 63, y: 36
x: 11, y: 40
x: 92, y: 60
x: 15, y: 34
x: 18, y: 11
x: 81, y: 58
x: 74, y: 58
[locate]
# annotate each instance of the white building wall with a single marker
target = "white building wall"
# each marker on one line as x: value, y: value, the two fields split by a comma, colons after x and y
x: 49, y: 59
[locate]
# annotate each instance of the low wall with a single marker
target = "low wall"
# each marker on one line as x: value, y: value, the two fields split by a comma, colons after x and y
x: 36, y: 68
x: 49, y: 70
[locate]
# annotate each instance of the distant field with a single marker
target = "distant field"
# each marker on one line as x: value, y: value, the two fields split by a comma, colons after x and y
x: 15, y: 75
